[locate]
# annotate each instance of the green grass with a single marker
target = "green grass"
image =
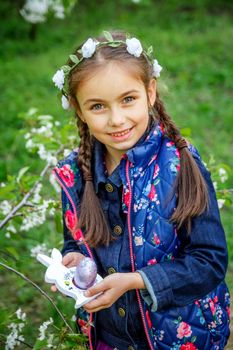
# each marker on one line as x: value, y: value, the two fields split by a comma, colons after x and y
x: 192, y: 41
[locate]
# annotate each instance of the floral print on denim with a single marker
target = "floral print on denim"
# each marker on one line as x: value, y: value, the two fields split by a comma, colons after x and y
x: 66, y: 173
x: 175, y: 161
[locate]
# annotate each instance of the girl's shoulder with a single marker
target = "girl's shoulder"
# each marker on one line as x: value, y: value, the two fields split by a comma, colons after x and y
x: 68, y: 172
x: 70, y: 159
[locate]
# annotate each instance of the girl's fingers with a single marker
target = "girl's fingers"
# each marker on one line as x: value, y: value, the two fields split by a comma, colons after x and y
x: 72, y: 259
x: 53, y: 288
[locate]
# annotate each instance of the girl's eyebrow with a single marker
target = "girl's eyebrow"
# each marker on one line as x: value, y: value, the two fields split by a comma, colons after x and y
x: 101, y: 100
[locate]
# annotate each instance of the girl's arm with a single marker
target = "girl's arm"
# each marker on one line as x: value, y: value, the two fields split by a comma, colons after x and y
x: 202, y: 262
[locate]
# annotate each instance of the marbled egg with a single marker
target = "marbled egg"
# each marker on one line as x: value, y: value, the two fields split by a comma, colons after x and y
x: 85, y: 273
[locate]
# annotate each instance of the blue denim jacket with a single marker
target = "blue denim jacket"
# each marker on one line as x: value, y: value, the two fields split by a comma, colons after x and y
x: 194, y: 266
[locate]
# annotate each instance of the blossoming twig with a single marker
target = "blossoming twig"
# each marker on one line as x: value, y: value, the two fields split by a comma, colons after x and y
x: 40, y: 290
x: 24, y: 201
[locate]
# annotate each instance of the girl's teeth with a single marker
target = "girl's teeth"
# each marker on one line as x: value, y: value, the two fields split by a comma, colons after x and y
x: 122, y: 133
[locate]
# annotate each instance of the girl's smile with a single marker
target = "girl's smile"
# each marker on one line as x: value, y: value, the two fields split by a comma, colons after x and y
x: 114, y: 104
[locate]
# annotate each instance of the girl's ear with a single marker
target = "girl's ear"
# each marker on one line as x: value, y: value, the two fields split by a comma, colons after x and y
x: 151, y: 92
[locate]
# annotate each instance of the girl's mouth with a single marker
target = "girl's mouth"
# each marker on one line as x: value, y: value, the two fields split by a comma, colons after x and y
x: 121, y: 136
x: 121, y: 133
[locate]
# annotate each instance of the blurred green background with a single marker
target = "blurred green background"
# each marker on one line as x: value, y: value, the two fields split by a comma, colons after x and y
x: 192, y: 40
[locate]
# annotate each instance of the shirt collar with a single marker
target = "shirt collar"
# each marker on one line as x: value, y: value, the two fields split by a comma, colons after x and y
x: 141, y: 154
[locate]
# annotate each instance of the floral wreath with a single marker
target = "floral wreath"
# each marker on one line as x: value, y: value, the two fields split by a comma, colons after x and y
x: 133, y: 46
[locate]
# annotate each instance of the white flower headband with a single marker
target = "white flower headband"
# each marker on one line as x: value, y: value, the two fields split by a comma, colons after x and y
x: 133, y: 46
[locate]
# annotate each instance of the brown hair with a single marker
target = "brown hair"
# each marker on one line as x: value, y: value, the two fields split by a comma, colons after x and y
x: 190, y: 186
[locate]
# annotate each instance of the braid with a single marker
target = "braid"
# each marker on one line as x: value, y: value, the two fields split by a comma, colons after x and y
x: 92, y: 218
x: 84, y: 156
x: 190, y: 186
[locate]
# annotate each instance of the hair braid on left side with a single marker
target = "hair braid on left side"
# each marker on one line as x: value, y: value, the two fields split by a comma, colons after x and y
x: 92, y: 218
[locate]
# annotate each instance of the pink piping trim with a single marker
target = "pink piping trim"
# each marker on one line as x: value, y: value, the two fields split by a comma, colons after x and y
x: 131, y: 254
x: 86, y: 245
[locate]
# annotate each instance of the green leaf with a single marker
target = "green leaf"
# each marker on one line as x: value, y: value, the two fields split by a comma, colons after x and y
x: 108, y: 35
x: 65, y: 68
x: 114, y: 44
x: 40, y: 344
x: 150, y: 50
x: 21, y: 173
x: 13, y: 252
x: 193, y: 339
x: 74, y: 59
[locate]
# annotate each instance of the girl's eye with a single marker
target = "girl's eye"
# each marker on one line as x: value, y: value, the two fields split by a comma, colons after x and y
x: 97, y: 107
x: 128, y: 99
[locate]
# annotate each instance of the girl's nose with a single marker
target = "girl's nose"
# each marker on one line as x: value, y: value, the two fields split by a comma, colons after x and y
x: 116, y: 117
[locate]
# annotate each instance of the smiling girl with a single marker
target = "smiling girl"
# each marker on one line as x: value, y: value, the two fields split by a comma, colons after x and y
x: 138, y: 200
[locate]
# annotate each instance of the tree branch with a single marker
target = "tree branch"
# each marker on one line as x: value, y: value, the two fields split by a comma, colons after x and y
x: 40, y: 290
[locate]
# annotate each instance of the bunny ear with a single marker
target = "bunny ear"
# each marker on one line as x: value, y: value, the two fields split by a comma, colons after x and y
x: 44, y: 259
x: 56, y: 255
x: 52, y: 273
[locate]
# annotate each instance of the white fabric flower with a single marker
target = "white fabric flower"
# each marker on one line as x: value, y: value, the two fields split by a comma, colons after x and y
x: 134, y: 47
x: 65, y: 102
x: 156, y: 68
x: 59, y: 78
x: 88, y: 48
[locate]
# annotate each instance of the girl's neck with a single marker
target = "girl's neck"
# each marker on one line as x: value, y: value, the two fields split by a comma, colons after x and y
x: 111, y: 162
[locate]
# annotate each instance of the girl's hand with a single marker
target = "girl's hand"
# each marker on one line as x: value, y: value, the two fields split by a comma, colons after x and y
x: 112, y: 287
x: 69, y: 260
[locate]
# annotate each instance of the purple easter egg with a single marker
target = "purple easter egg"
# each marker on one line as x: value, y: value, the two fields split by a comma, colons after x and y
x: 85, y: 273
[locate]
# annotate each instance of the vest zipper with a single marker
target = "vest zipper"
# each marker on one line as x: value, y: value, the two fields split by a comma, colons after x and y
x: 131, y: 254
x: 86, y: 245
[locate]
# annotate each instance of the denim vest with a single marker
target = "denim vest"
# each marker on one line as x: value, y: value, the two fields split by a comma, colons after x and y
x: 185, y: 319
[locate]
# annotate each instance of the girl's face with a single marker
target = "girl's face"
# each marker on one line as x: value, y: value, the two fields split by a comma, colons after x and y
x: 114, y: 104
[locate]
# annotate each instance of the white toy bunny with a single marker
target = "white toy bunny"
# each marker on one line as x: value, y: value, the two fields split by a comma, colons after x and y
x: 63, y: 276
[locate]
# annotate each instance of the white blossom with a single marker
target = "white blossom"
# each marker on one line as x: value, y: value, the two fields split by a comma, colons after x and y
x: 33, y: 219
x: 59, y: 79
x: 156, y: 68
x: 14, y: 338
x: 58, y: 8
x: 57, y: 123
x: 5, y: 207
x: 221, y: 203
x: 34, y: 11
x: 39, y: 249
x: 2, y: 184
x: 46, y: 155
x: 32, y: 111
x: 88, y: 48
x: 43, y: 328
x: 66, y: 152
x: 27, y: 135
x: 37, y: 217
x: 50, y: 341
x: 30, y: 144
x: 44, y: 130
x: 36, y: 196
x: 21, y: 316
x: 136, y: 1
x: 134, y: 47
x: 8, y: 235
x: 215, y: 185
x: 54, y: 183
x: 45, y: 117
x: 223, y: 174
x: 65, y: 102
x: 11, y: 228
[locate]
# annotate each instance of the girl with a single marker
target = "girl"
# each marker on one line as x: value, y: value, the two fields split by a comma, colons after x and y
x: 138, y: 200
